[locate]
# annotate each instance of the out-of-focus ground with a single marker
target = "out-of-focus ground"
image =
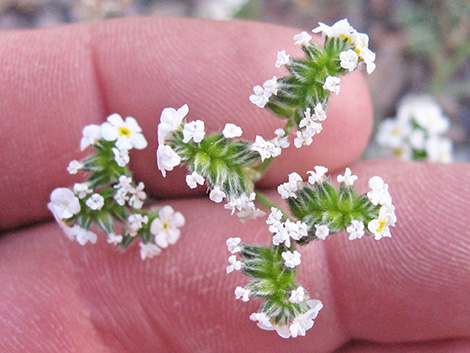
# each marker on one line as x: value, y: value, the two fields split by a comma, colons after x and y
x: 421, y: 46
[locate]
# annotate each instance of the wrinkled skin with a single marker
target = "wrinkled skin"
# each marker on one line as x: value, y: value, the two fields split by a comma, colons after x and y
x: 404, y: 294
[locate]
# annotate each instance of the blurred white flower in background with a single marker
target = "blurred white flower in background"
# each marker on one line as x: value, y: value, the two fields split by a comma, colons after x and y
x: 417, y: 132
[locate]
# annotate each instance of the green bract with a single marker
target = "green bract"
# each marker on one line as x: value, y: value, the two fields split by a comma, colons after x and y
x: 323, y: 204
x: 303, y: 88
x: 223, y: 162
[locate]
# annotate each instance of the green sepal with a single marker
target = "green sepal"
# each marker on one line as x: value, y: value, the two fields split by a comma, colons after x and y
x: 303, y: 87
x: 105, y: 222
x: 85, y: 220
x: 223, y: 162
x: 271, y: 281
x: 323, y: 204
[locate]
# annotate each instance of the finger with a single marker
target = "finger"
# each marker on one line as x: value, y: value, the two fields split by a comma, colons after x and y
x: 446, y: 346
x: 42, y: 307
x: 410, y: 288
x: 55, y: 81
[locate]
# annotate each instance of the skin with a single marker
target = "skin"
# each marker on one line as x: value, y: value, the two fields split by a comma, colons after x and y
x: 408, y: 293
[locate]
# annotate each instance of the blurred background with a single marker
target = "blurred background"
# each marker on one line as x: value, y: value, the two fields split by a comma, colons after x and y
x: 422, y: 47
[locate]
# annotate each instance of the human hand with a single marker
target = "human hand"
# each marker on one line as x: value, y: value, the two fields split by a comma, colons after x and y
x: 58, y: 296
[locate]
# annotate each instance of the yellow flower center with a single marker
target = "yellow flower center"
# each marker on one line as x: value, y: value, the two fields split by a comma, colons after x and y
x: 396, y: 131
x: 382, y: 224
x: 165, y: 226
x: 124, y: 131
x: 345, y: 36
x: 398, y: 151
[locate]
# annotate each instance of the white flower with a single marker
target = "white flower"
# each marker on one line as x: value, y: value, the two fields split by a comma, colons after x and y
x: 114, y: 239
x: 95, y: 202
x: 332, y: 84
x: 217, y: 194
x: 318, y: 175
x: 282, y: 59
x: 83, y: 235
x: 125, y: 183
x: 170, y: 120
x: 193, y: 179
x: 239, y: 203
x: 124, y: 187
x: 264, y: 322
x: 265, y: 148
x: 234, y: 264
x: 282, y: 236
x: 194, y: 130
x: 121, y: 197
x: 297, y: 295
x: 74, y: 166
x: 275, y: 217
x: 392, y: 133
x: 242, y: 293
x: 309, y: 122
x: 233, y: 245
x: 127, y: 134
x: 138, y: 196
x: 439, y: 149
x: 297, y: 327
x: 63, y: 226
x: 390, y: 210
x: 289, y: 189
x: 82, y: 189
x: 121, y: 157
x: 64, y: 203
x: 91, y: 135
x: 288, y: 230
x: 347, y: 178
x: 270, y: 87
x: 301, y: 232
x: 304, y: 322
x: 76, y: 232
x: 291, y: 259
x: 311, y: 129
x: 361, y: 41
x: 259, y: 98
x: 425, y: 111
x: 320, y: 113
x: 136, y: 222
x: 355, y: 229
x: 281, y: 140
x: 250, y: 212
x: 341, y: 29
x: 149, y: 250
x: 380, y: 226
x: 378, y: 195
x: 417, y: 139
x: 262, y: 318
x: 303, y: 138
x: 348, y: 59
x: 322, y: 231
x: 167, y: 159
x: 166, y: 227
x: 302, y: 38
x: 231, y: 130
